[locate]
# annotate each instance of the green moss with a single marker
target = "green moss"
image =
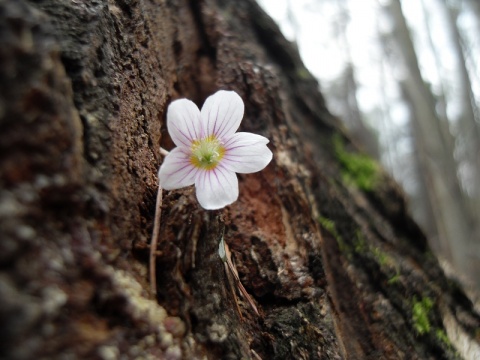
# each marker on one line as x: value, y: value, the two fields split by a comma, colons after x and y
x: 357, y: 169
x: 303, y: 73
x: 442, y: 336
x: 360, y: 243
x: 420, y: 311
x: 329, y: 225
x: 381, y: 257
x: 394, y: 279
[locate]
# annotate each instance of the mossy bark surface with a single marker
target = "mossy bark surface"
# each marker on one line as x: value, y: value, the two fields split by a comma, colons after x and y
x: 335, y: 270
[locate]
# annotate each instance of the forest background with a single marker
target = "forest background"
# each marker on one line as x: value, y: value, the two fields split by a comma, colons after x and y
x: 405, y: 81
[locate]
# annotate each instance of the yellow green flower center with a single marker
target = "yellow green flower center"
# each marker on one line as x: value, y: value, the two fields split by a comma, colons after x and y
x: 206, y: 153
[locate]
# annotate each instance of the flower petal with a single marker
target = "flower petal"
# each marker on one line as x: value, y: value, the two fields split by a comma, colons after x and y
x: 246, y: 153
x: 216, y: 188
x: 183, y: 122
x: 177, y: 171
x: 222, y: 113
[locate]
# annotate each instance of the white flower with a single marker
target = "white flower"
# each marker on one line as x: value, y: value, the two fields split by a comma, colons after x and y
x: 209, y: 151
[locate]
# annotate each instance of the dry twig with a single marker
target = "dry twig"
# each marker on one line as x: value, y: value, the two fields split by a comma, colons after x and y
x: 226, y: 256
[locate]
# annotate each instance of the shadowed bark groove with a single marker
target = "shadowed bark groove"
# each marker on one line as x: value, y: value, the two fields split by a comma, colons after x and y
x: 335, y: 271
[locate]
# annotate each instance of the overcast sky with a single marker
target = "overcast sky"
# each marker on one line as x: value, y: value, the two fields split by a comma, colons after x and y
x: 313, y: 27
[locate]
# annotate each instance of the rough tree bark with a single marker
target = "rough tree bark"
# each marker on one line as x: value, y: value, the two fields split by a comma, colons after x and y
x: 321, y: 238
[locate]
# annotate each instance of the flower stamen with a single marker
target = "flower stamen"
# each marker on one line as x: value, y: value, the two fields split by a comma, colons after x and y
x: 206, y: 153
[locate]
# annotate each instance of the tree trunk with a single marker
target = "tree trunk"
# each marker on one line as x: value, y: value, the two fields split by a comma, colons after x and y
x: 469, y: 132
x: 454, y: 219
x: 320, y: 238
x: 348, y: 107
x: 474, y: 6
x: 469, y: 127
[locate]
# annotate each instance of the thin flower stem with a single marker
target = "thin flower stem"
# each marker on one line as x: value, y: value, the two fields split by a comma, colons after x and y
x: 164, y: 152
x: 156, y: 234
x: 255, y: 355
x: 154, y: 242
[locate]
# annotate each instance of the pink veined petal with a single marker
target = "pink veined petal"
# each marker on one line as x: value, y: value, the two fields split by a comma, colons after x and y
x: 216, y: 188
x: 183, y: 122
x: 246, y: 153
x: 177, y: 171
x: 222, y: 113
